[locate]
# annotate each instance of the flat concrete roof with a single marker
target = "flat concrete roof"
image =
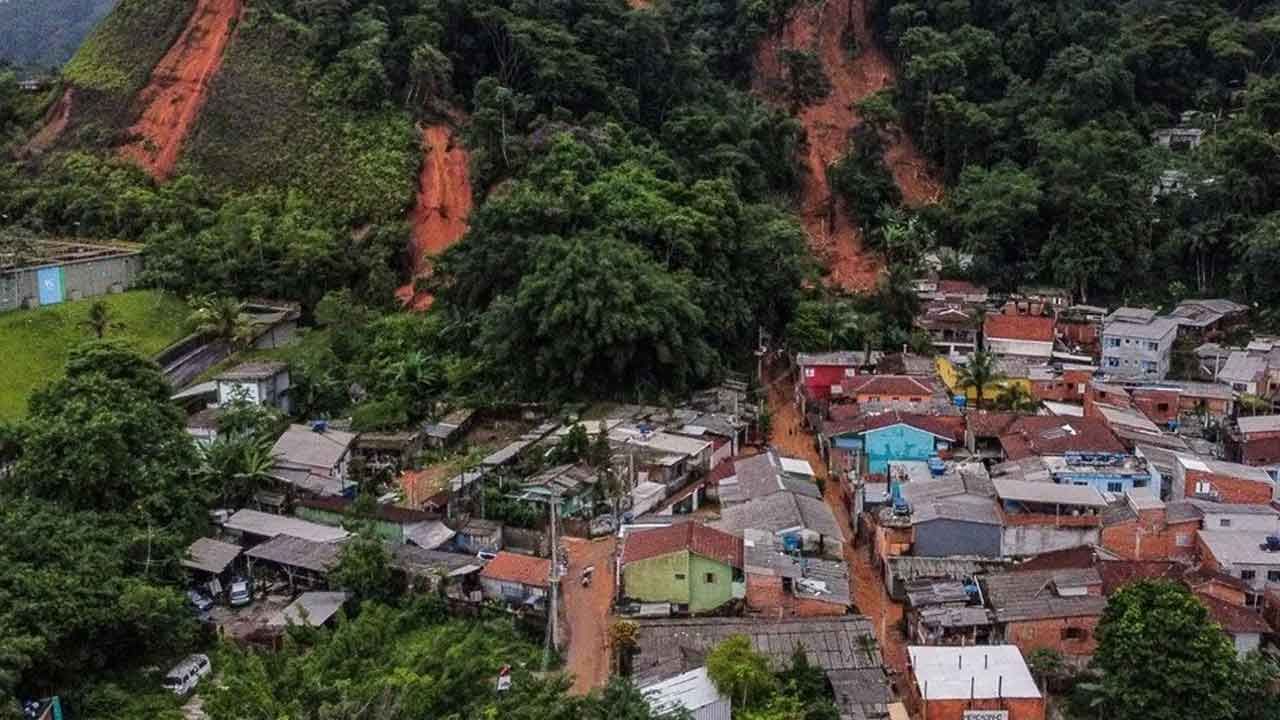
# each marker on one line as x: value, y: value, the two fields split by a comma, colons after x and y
x: 976, y: 671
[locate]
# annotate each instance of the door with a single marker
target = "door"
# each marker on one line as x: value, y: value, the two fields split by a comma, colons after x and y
x: 50, y: 282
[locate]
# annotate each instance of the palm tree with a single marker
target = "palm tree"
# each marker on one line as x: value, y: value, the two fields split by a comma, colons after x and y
x: 237, y: 465
x: 99, y: 320
x: 1017, y: 398
x: 223, y: 318
x: 979, y: 374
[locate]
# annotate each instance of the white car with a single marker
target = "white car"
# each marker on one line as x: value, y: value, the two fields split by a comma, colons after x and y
x: 241, y: 593
x: 184, y: 676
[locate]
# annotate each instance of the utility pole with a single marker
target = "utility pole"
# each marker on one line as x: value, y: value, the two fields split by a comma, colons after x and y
x: 553, y: 585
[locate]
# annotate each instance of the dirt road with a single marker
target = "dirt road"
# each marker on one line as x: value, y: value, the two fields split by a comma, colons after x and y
x: 586, y: 612
x: 833, y: 235
x: 439, y: 217
x: 179, y: 85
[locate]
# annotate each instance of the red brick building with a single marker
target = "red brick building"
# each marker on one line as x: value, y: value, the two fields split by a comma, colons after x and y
x: 1258, y: 441
x: 1053, y: 609
x: 948, y: 681
x: 1222, y: 482
x: 1144, y: 528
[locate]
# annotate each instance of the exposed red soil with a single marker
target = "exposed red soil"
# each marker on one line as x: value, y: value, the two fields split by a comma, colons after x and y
x: 833, y: 235
x: 439, y: 217
x: 178, y: 87
x: 55, y: 121
x: 586, y: 611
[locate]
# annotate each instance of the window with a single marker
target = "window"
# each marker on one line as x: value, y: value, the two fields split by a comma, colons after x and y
x: 1113, y: 362
x: 1149, y: 366
x: 1073, y: 633
x: 1153, y: 347
x: 1182, y: 541
x: 1273, y: 576
x: 850, y: 372
x: 808, y: 372
x: 1162, y: 407
x: 710, y: 578
x: 1115, y: 487
x: 1139, y: 482
x: 1224, y: 522
x: 1204, y: 488
x: 1113, y: 342
x: 679, y: 576
x: 1248, y: 574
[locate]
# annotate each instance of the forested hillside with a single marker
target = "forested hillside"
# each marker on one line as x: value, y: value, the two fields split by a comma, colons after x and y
x: 45, y: 33
x: 1041, y: 117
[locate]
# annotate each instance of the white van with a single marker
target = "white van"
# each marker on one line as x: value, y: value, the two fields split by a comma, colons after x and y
x: 184, y: 676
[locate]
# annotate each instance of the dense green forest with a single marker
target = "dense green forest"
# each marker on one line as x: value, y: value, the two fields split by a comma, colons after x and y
x: 1040, y: 116
x: 45, y: 33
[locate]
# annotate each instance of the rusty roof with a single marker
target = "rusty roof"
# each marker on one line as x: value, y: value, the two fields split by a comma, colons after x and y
x: 523, y: 569
x: 1019, y: 327
x: 694, y: 537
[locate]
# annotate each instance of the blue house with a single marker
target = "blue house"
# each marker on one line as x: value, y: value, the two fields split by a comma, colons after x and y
x: 892, y: 437
x: 1104, y: 472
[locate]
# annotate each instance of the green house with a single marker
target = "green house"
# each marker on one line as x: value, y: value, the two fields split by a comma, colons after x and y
x: 690, y: 565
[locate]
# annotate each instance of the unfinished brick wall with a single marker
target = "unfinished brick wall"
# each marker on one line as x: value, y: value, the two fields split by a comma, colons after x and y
x: 1229, y: 489
x: 1150, y: 538
x: 1069, y: 636
x: 766, y: 596
x: 1019, y: 708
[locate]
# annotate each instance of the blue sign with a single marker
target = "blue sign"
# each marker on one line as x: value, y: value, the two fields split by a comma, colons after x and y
x: 50, y: 282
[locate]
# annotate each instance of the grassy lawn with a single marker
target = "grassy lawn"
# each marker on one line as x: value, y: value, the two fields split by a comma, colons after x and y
x: 34, y: 343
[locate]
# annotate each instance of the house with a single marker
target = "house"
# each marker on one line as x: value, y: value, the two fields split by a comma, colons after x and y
x: 1136, y: 343
x: 661, y: 457
x: 1040, y: 516
x: 868, y: 389
x: 1206, y: 317
x: 761, y: 475
x: 479, y: 535
x: 694, y: 567
x: 944, y: 611
x: 1244, y: 625
x: 395, y: 525
x: 211, y: 560
x: 313, y: 609
x: 388, y: 452
x: 1142, y: 527
x: 435, y: 571
x: 1046, y: 609
x: 1205, y: 478
x: 1026, y: 436
x: 252, y: 526
x: 1244, y: 372
x: 941, y: 518
x: 901, y: 571
x: 1178, y: 139
x: 953, y: 327
x: 1105, y: 472
x: 785, y: 584
x: 516, y: 580
x: 973, y: 683
x: 313, y: 460
x: 893, y: 436
x: 1257, y: 443
x: 574, y: 487
x: 1253, y: 557
x: 692, y: 693
x: 1023, y: 336
x: 448, y: 429
x: 795, y: 517
x: 1065, y: 383
x: 822, y: 376
x: 260, y: 383
x: 301, y: 560
x: 959, y: 291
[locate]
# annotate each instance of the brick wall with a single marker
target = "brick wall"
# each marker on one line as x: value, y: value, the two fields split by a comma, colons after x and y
x: 1150, y: 538
x: 1069, y: 636
x: 1019, y: 709
x: 766, y: 596
x: 1160, y: 406
x: 1229, y: 489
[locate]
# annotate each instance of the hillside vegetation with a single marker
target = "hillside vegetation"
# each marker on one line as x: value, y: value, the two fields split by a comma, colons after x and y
x: 45, y: 33
x: 35, y: 343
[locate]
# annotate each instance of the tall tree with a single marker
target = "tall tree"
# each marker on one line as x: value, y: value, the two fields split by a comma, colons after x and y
x: 979, y: 373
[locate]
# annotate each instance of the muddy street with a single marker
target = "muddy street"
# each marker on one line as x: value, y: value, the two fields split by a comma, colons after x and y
x: 586, y: 612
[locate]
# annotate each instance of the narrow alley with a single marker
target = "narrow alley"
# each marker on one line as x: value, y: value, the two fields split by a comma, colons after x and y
x: 586, y: 611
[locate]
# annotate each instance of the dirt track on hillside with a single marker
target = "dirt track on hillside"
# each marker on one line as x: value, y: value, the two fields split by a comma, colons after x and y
x: 178, y: 87
x: 834, y: 236
x: 439, y: 217
x: 55, y: 121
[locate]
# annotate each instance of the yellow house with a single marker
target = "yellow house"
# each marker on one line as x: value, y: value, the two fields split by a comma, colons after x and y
x: 950, y: 375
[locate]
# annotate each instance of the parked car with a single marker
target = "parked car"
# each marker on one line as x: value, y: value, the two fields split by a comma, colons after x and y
x: 184, y: 676
x: 198, y: 600
x: 486, y: 555
x: 241, y: 593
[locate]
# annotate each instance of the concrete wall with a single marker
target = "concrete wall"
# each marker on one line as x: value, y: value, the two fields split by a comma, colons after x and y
x: 1132, y: 352
x: 679, y: 577
x: 1022, y: 540
x: 88, y: 278
x: 947, y: 538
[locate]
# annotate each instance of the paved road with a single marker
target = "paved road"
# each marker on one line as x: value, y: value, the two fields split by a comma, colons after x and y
x: 586, y: 612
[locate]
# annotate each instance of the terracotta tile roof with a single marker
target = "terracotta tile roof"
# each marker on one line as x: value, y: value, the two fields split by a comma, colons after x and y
x: 951, y: 428
x: 1233, y: 618
x: 694, y: 537
x: 960, y: 287
x: 888, y: 386
x: 515, y: 568
x: 1070, y: 558
x: 1051, y: 435
x: 1118, y: 573
x: 1019, y: 327
x: 1201, y: 576
x: 991, y: 424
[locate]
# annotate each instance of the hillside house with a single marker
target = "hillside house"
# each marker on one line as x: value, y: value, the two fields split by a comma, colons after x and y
x: 786, y: 584
x: 1046, y: 609
x: 953, y: 328
x: 1248, y: 556
x: 1143, y: 527
x: 395, y: 525
x: 893, y: 436
x: 1204, y: 318
x: 822, y: 376
x: 1257, y: 443
x: 519, y: 581
x: 1039, y: 516
x: 313, y: 460
x: 973, y: 683
x: 1042, y: 435
x: 1209, y: 479
x: 1023, y: 336
x: 689, y: 565
x: 1136, y: 343
x: 259, y: 383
